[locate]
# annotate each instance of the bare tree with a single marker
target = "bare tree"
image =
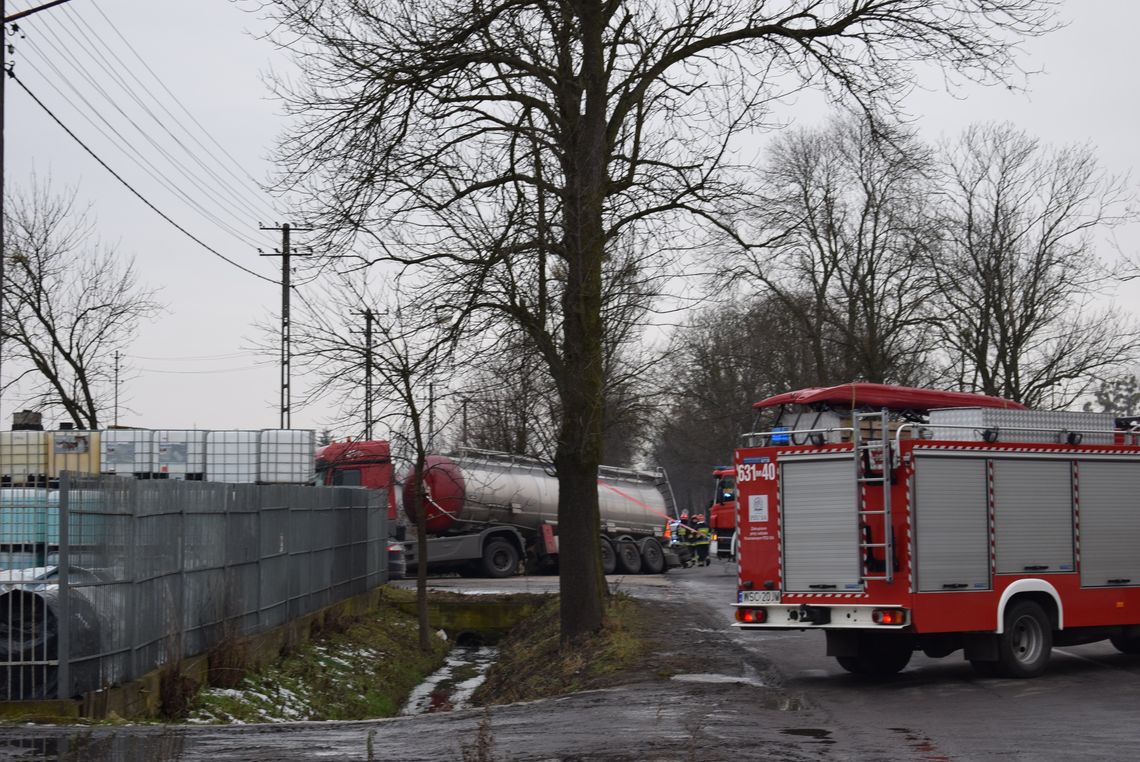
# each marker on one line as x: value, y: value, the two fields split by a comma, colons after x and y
x: 846, y: 223
x: 69, y: 305
x: 725, y: 358
x: 412, y: 350
x: 510, y: 403
x: 521, y: 155
x: 1018, y: 272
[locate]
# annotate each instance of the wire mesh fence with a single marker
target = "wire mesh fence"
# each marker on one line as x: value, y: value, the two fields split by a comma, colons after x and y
x: 104, y: 578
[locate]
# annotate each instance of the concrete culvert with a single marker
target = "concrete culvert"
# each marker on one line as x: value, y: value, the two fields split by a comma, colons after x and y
x: 469, y: 639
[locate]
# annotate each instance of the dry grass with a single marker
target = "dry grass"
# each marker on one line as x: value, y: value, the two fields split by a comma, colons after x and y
x: 534, y: 664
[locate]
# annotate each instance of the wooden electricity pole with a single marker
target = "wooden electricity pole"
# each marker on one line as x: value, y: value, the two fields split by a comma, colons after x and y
x: 286, y: 253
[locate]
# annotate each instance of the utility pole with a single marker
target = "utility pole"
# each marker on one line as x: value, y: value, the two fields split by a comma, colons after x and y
x: 116, y: 388
x: 286, y: 254
x: 369, y: 316
x: 3, y: 187
x: 465, y: 401
x: 431, y: 416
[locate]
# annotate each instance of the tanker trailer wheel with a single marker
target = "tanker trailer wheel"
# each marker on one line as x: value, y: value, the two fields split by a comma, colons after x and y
x: 628, y: 557
x: 1023, y: 649
x: 652, y: 556
x: 500, y: 558
x: 609, y: 557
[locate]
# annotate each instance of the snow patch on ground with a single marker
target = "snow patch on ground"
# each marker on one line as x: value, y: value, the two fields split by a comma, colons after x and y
x: 451, y: 686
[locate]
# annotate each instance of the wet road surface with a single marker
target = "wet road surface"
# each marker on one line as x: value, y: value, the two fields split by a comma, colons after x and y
x: 734, y: 696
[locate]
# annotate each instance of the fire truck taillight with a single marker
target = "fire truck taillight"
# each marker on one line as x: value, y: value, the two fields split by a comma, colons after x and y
x: 889, y: 616
x: 751, y: 616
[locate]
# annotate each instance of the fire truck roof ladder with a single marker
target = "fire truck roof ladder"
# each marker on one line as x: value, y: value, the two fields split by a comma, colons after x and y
x: 872, y: 448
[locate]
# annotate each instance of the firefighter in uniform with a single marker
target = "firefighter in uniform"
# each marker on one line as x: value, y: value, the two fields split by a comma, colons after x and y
x: 700, y: 539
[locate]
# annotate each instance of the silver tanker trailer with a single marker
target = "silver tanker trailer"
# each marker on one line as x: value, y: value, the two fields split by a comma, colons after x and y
x: 487, y: 511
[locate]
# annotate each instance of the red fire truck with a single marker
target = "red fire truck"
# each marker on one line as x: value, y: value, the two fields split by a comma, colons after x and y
x: 900, y: 520
x: 722, y: 513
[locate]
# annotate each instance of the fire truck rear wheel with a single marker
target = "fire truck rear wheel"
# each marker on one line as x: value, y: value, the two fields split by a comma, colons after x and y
x: 1125, y: 644
x: 1023, y: 649
x: 884, y: 656
x: 852, y: 664
x: 500, y: 558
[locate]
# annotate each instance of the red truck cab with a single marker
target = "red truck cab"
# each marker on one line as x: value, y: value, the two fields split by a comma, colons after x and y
x: 365, y: 464
x: 722, y: 512
x: 358, y: 464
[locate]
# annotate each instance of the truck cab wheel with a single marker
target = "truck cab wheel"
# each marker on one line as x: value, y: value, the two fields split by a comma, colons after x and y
x: 500, y: 558
x: 1023, y: 649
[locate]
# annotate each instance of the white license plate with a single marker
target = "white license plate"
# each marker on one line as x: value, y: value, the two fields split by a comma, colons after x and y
x: 759, y: 596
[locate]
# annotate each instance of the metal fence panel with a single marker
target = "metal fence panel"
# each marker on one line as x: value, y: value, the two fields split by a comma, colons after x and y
x: 105, y: 578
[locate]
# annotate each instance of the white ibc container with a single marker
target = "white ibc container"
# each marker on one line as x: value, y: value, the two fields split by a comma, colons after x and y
x: 23, y: 456
x: 180, y: 453
x: 231, y: 456
x: 288, y: 456
x: 127, y: 451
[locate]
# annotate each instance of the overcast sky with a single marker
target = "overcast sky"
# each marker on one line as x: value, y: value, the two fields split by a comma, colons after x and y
x: 190, y: 369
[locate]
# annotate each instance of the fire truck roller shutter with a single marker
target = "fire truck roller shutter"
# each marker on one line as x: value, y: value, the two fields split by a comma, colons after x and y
x: 821, y: 527
x: 1033, y: 516
x: 951, y: 517
x: 1110, y: 523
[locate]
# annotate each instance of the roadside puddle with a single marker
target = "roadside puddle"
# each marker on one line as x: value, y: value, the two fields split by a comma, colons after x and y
x: 820, y: 735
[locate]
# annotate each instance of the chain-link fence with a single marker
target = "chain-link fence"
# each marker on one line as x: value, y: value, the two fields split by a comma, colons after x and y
x: 106, y: 578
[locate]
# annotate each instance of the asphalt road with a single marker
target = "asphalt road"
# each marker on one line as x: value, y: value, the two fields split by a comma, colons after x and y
x: 737, y: 696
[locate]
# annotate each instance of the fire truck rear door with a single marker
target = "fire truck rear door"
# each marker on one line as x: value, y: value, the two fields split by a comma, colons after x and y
x: 820, y: 525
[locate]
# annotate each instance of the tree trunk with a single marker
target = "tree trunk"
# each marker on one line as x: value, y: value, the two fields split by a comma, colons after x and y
x: 579, y: 450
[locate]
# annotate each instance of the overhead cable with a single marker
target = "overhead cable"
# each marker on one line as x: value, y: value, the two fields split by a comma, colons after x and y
x: 131, y: 188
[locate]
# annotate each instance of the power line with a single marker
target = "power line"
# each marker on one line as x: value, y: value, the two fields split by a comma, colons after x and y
x: 131, y: 188
x: 96, y: 45
x: 190, y: 358
x: 124, y: 145
x: 241, y: 369
x: 227, y: 166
